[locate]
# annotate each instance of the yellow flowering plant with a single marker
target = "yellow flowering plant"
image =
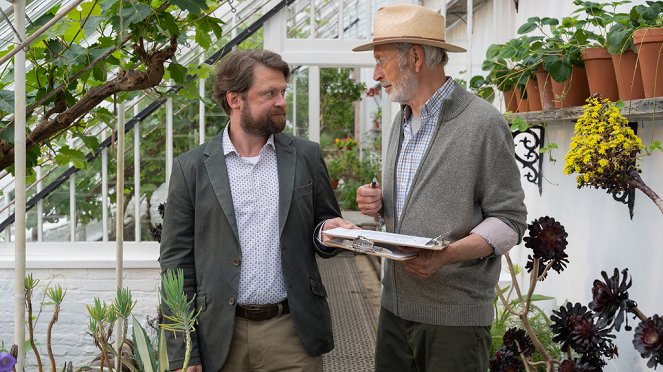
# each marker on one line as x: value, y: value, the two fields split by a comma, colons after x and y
x: 604, y: 151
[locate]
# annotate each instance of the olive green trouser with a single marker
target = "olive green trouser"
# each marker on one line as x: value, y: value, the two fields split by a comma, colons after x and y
x: 406, y: 346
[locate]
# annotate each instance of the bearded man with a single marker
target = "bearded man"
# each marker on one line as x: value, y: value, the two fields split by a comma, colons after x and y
x: 243, y: 218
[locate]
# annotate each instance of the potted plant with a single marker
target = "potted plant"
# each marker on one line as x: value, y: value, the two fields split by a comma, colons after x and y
x: 509, y: 69
x: 562, y: 56
x: 619, y: 42
x: 598, y: 62
x: 648, y: 40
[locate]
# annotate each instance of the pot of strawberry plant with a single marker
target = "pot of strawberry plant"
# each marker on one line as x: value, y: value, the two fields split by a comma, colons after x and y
x: 561, y: 53
x: 619, y: 41
x: 598, y: 62
x: 648, y: 41
x: 544, y: 83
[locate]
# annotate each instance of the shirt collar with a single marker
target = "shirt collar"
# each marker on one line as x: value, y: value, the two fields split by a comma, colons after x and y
x: 229, y: 148
x: 432, y: 106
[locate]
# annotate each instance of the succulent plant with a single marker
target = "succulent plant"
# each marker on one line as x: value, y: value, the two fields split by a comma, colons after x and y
x: 648, y: 340
x: 547, y: 239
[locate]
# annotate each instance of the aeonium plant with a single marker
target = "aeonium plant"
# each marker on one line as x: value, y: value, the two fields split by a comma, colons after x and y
x: 605, y: 151
x: 585, y: 333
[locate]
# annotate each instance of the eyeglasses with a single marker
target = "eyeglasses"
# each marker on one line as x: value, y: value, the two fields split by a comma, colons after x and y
x: 381, y: 62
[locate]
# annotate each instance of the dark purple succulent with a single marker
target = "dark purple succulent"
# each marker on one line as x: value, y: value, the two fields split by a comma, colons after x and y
x: 648, y: 340
x: 518, y: 341
x: 547, y: 239
x: 610, y: 297
x: 578, y: 329
x: 505, y: 360
x: 576, y: 365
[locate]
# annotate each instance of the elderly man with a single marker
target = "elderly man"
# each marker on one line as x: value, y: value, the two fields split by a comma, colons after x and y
x: 450, y: 170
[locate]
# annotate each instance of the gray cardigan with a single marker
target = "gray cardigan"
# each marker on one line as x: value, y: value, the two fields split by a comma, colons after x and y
x: 467, y: 174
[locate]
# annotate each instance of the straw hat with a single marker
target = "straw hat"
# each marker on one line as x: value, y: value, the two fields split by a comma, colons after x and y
x: 409, y: 24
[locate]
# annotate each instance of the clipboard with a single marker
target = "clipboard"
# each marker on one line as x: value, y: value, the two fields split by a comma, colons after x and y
x: 365, y: 246
x: 383, y: 244
x: 391, y: 239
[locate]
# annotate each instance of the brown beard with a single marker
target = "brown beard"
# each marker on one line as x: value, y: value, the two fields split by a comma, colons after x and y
x: 262, y: 126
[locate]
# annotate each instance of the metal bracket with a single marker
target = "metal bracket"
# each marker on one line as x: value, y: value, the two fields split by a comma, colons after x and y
x: 528, y: 143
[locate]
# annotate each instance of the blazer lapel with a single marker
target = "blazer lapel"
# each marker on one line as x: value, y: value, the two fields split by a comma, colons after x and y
x: 286, y: 162
x: 215, y: 163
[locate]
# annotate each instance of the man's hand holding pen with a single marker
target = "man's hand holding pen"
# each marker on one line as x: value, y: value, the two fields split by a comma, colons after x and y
x: 369, y: 198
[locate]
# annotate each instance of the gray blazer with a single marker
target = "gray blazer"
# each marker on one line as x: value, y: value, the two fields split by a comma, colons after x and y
x: 200, y: 236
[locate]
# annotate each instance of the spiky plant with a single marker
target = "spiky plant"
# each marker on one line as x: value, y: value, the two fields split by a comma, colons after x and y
x: 181, y: 315
x: 122, y: 306
x: 102, y: 318
x: 30, y: 284
x: 56, y: 295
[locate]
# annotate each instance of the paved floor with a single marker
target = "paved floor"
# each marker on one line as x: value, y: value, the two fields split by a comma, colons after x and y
x: 353, y: 292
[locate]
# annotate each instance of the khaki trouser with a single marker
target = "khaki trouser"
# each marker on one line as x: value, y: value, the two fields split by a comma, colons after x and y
x: 269, y: 346
x: 406, y: 346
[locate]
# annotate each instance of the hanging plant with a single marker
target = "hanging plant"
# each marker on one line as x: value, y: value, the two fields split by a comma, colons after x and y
x: 605, y: 151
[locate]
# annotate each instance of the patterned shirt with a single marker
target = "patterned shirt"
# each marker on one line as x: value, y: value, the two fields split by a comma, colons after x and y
x: 254, y: 185
x: 414, y: 144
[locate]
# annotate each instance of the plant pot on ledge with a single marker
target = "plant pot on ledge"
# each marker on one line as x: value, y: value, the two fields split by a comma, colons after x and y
x: 600, y: 73
x: 533, y: 96
x: 572, y: 92
x: 510, y: 102
x: 649, y: 43
x: 628, y: 75
x: 544, y: 83
x: 522, y: 104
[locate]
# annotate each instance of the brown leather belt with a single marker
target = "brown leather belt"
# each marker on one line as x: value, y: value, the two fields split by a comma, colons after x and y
x: 262, y: 312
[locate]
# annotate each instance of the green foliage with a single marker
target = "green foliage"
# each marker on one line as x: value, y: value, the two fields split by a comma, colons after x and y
x: 337, y: 95
x: 85, y: 49
x: 143, y: 350
x: 182, y: 313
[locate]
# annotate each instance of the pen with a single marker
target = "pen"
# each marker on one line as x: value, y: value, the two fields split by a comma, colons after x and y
x: 383, y: 228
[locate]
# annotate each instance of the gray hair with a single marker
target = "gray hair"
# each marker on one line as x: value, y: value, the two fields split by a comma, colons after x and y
x: 434, y: 55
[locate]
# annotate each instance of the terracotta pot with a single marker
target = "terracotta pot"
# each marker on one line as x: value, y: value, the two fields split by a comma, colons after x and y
x: 629, y: 77
x: 649, y: 43
x: 522, y: 103
x: 533, y: 96
x: 510, y: 100
x: 600, y: 73
x: 543, y: 81
x: 572, y: 92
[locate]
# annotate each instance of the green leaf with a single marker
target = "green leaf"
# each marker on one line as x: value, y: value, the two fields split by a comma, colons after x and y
x: 143, y: 351
x: 91, y: 142
x: 536, y: 297
x: 192, y: 6
x: 519, y: 124
x: 67, y: 155
x: 163, y: 350
x: 167, y: 22
x: 527, y: 27
x: 620, y: 105
x: 178, y: 73
x: 202, y: 38
x: 560, y: 70
x: 7, y: 101
x: 131, y: 13
x: 7, y: 133
x: 74, y: 55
